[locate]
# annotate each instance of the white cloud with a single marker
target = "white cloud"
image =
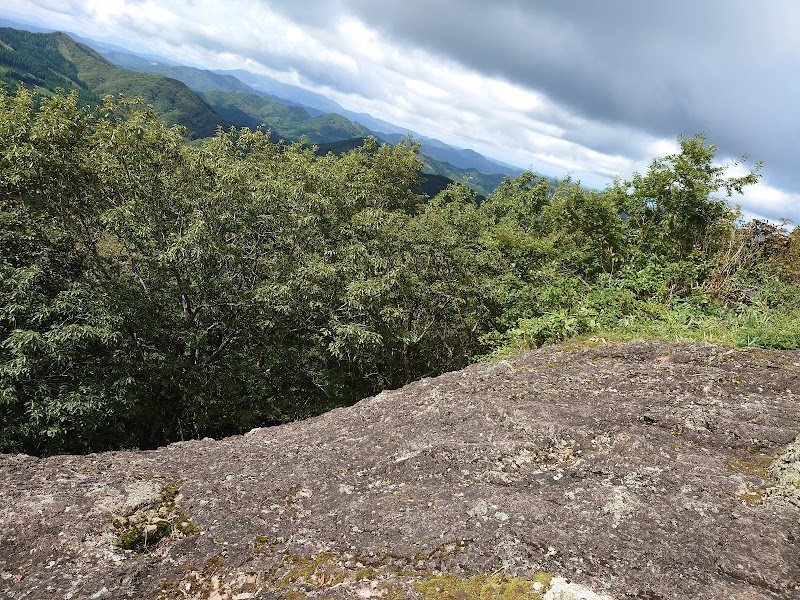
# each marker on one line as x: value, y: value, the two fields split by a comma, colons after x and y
x: 425, y: 89
x: 770, y: 202
x: 540, y: 104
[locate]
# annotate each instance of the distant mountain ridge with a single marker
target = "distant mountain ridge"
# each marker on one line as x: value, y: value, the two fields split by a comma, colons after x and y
x: 459, y: 158
x: 313, y: 100
x: 239, y: 104
x: 196, y: 79
x: 12, y: 24
x: 243, y: 106
x: 203, y: 100
x: 55, y: 60
x: 288, y: 122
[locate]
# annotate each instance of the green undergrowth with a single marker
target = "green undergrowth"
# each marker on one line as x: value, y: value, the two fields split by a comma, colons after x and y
x: 768, y: 329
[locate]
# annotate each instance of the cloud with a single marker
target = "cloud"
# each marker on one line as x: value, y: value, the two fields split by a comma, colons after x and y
x: 592, y: 89
x: 768, y: 202
x: 660, y: 69
x: 53, y: 12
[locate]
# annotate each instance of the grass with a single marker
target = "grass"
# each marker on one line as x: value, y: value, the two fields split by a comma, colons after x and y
x: 753, y: 328
x: 768, y: 329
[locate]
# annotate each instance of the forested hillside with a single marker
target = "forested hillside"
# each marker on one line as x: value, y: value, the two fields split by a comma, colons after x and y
x: 287, y: 122
x: 55, y: 60
x: 152, y: 290
x: 197, y: 79
x: 200, y: 100
x: 35, y: 59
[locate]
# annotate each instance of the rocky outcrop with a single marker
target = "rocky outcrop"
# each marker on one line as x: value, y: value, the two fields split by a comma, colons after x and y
x: 641, y: 470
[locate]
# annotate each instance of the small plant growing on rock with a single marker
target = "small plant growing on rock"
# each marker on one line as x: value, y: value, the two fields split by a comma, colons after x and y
x: 151, y: 523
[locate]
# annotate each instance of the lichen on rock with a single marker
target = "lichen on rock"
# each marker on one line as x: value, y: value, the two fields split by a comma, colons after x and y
x: 785, y: 470
x: 497, y: 586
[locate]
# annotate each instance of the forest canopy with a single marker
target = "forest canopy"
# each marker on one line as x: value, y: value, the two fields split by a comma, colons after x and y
x: 153, y: 290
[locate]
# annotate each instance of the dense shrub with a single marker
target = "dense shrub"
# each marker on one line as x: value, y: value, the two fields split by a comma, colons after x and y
x: 152, y: 290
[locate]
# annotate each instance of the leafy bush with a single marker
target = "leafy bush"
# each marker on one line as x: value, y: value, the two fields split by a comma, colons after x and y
x: 152, y: 290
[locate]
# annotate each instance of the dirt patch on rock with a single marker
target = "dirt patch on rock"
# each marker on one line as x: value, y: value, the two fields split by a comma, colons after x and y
x: 642, y: 470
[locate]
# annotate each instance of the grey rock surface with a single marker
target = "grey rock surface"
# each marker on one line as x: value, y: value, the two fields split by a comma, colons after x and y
x: 639, y: 470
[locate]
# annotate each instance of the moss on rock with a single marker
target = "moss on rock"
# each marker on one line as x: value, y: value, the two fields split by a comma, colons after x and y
x: 152, y: 522
x: 497, y: 586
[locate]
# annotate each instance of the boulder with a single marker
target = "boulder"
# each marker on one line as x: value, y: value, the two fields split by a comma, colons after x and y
x: 637, y: 470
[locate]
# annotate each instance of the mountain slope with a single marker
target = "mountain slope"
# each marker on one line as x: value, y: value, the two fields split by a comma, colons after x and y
x: 171, y: 99
x: 287, y: 122
x: 222, y: 99
x: 458, y: 157
x: 472, y: 163
x: 35, y: 60
x: 461, y: 158
x: 55, y: 60
x: 199, y: 80
x: 285, y: 91
x: 436, y: 175
x: 481, y: 183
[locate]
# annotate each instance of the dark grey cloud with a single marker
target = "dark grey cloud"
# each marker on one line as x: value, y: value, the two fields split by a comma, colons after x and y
x: 726, y: 67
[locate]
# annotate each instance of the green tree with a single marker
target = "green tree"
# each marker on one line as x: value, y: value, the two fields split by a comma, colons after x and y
x: 152, y: 290
x: 205, y: 290
x: 61, y: 378
x: 673, y: 209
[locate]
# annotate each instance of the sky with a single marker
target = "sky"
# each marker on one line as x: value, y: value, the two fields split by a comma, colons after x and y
x: 586, y: 88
